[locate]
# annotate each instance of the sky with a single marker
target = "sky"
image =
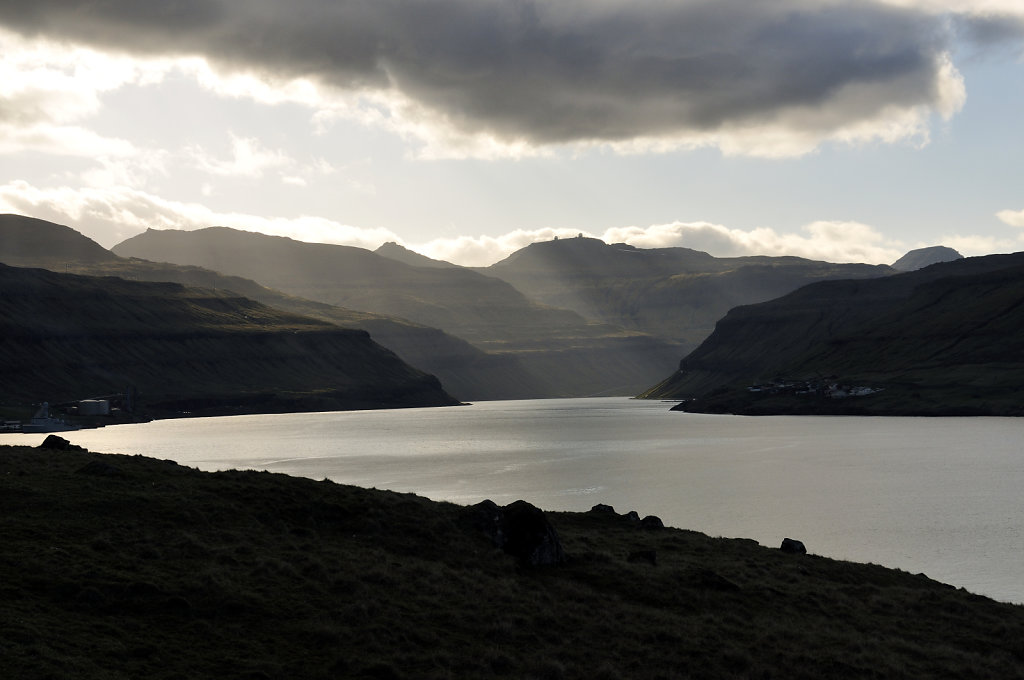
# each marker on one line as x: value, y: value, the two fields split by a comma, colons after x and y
x: 848, y: 131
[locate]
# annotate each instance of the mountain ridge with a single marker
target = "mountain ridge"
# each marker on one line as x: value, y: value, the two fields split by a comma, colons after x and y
x: 561, y: 351
x: 465, y: 370
x: 942, y: 340
x: 67, y: 337
x: 674, y: 293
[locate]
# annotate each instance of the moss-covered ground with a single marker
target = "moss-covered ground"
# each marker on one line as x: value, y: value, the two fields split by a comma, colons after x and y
x: 127, y: 567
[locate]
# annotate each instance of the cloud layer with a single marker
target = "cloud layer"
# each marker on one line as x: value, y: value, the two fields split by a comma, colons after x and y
x: 111, y: 214
x: 832, y: 241
x: 766, y: 78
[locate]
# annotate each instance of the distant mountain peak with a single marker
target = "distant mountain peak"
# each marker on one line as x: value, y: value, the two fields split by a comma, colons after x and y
x: 393, y: 251
x: 923, y: 257
x: 27, y: 241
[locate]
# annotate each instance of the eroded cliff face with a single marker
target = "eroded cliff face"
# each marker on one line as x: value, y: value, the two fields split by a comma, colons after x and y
x: 67, y: 337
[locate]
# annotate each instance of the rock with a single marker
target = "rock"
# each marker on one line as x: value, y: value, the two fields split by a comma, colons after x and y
x: 652, y: 522
x: 486, y: 516
x: 52, y: 441
x: 632, y: 516
x: 794, y: 546
x: 529, y: 536
x: 602, y: 509
x: 520, y: 529
x: 649, y: 556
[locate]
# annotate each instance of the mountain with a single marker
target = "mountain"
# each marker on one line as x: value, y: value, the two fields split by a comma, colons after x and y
x: 31, y: 242
x: 944, y: 340
x: 478, y: 308
x: 396, y: 252
x: 923, y: 257
x: 673, y: 293
x: 67, y: 337
x: 464, y: 370
x: 560, y: 350
x: 121, y: 566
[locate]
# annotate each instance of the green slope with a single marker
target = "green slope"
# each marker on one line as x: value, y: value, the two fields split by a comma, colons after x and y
x: 66, y: 337
x: 128, y: 567
x: 946, y: 339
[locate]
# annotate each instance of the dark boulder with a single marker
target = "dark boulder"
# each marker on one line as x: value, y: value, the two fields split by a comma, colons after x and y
x: 487, y: 517
x: 520, y: 529
x: 791, y: 545
x: 632, y: 516
x: 52, y: 441
x: 652, y: 522
x: 602, y: 509
x: 529, y: 536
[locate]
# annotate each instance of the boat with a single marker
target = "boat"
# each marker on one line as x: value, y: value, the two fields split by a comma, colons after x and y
x: 42, y: 421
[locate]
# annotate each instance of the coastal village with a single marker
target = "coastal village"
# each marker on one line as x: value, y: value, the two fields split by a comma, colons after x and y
x: 829, y: 387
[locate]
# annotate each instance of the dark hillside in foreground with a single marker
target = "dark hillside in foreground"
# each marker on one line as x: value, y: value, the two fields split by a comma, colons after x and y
x: 129, y: 567
x: 944, y: 340
x: 65, y: 337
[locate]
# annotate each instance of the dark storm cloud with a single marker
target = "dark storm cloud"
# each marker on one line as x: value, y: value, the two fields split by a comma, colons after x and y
x: 547, y: 70
x: 991, y: 30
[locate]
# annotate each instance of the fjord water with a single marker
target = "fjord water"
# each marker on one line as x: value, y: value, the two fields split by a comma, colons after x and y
x: 935, y: 495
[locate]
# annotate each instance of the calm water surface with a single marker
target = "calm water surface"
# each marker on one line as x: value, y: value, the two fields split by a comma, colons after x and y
x: 935, y: 495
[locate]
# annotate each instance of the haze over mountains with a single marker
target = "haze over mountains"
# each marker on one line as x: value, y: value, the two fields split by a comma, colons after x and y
x: 675, y: 293
x: 595, y: 318
x: 562, y: 353
x: 464, y: 369
x: 611, y: 319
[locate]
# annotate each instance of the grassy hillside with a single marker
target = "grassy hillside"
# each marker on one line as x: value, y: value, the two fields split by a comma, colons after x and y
x: 942, y: 340
x: 66, y: 337
x: 128, y: 567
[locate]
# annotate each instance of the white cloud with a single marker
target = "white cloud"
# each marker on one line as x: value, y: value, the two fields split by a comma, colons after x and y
x: 833, y: 241
x: 249, y: 158
x: 971, y: 245
x: 61, y: 140
x: 1015, y: 218
x: 111, y: 214
x: 49, y: 89
x: 480, y: 251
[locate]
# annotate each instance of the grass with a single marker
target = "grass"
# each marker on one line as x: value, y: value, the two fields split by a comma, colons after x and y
x: 126, y: 567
